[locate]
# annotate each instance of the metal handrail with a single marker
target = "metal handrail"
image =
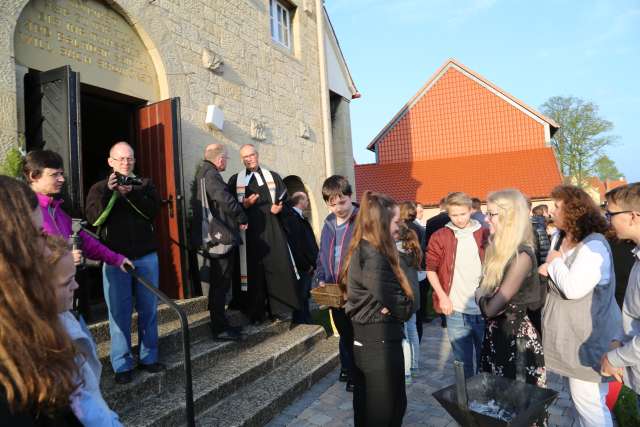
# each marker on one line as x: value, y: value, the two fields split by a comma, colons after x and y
x: 186, y: 348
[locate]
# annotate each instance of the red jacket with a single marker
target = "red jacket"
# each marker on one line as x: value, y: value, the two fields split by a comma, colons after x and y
x: 441, y: 256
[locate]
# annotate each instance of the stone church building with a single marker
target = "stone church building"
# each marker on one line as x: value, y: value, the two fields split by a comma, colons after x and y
x: 170, y: 77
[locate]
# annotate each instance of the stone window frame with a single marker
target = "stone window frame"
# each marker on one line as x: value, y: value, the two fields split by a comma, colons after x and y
x: 283, y: 21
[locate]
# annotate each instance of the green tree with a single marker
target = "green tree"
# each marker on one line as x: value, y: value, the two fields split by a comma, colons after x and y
x: 582, y: 136
x: 605, y: 168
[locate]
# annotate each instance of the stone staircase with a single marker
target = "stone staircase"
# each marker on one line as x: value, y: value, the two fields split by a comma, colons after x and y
x: 234, y: 383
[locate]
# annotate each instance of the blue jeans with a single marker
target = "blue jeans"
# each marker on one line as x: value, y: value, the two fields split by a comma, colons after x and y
x: 118, y: 287
x: 411, y: 346
x: 466, y: 333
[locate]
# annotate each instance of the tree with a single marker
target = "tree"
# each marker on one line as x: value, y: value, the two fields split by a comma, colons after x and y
x: 581, y: 138
x: 605, y: 168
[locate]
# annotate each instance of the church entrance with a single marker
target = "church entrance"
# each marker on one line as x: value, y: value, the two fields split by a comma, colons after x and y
x: 86, y: 81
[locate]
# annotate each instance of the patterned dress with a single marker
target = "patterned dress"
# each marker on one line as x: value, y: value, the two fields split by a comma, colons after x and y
x: 512, y: 347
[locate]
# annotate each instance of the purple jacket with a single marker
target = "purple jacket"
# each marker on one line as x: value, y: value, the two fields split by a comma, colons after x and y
x: 58, y: 223
x: 324, y: 265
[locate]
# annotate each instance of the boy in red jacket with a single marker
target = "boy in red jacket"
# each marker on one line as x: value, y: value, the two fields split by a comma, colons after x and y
x: 454, y: 269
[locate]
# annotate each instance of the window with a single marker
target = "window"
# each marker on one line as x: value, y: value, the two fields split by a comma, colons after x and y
x: 280, y: 23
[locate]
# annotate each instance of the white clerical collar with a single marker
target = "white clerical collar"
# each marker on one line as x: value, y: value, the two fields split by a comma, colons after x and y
x: 258, y: 178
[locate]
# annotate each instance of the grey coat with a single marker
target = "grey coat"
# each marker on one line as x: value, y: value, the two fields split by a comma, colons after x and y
x: 576, y: 333
x: 629, y: 354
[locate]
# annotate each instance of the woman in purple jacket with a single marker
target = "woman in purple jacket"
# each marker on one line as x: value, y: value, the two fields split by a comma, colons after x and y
x: 43, y: 171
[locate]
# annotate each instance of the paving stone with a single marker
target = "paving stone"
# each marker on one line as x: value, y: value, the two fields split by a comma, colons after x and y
x: 436, y: 372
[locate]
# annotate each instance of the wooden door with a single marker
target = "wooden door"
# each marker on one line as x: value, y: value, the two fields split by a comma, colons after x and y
x: 52, y: 122
x: 159, y: 154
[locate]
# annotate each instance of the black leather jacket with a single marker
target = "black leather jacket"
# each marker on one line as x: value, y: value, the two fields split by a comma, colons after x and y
x: 371, y: 286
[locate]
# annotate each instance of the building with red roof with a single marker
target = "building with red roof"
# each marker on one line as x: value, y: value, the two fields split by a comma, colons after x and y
x: 461, y: 132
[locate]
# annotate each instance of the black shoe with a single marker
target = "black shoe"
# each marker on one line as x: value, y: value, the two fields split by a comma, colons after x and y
x: 343, y: 376
x: 227, y: 335
x: 124, y: 377
x: 153, y: 368
x: 350, y: 386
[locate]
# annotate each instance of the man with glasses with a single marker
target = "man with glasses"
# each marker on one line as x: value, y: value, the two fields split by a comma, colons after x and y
x: 123, y: 213
x: 267, y: 272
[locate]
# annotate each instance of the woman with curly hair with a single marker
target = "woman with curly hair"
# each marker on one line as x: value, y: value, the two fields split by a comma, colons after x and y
x: 581, y: 319
x: 37, y: 368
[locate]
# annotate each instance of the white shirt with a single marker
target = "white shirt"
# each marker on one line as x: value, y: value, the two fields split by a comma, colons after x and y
x: 591, y: 268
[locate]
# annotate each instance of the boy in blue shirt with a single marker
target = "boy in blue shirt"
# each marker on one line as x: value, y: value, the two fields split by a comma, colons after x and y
x: 334, y: 244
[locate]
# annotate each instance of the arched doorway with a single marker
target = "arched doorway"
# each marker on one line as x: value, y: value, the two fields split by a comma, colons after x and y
x: 294, y: 184
x: 86, y: 79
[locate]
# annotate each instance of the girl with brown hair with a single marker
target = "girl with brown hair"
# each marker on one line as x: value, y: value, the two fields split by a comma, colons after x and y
x: 581, y: 318
x: 87, y: 402
x: 379, y: 301
x: 411, y: 255
x: 37, y: 369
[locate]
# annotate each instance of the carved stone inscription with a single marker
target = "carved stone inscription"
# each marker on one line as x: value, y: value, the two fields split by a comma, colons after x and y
x: 91, y: 37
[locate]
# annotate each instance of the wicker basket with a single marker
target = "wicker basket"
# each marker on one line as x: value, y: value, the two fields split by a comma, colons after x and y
x: 328, y: 295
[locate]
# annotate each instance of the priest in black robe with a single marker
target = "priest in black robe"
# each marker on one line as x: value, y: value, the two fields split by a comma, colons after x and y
x: 271, y: 277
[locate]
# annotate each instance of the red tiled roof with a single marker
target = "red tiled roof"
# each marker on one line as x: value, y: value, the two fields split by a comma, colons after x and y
x: 534, y: 172
x: 460, y: 113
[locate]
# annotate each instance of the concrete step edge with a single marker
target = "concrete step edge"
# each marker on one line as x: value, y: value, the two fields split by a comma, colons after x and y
x: 203, y: 353
x: 100, y: 330
x: 263, y: 400
x: 222, y: 380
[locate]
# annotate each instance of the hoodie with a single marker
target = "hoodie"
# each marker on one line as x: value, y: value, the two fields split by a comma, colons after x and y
x: 325, y: 269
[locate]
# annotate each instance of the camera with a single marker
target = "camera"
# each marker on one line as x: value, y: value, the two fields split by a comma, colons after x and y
x: 123, y: 180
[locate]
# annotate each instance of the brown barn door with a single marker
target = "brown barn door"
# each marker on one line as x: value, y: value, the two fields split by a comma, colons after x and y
x: 52, y: 122
x: 159, y: 155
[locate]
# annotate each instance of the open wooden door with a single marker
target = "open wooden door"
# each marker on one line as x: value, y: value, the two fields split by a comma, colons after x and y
x: 159, y: 155
x: 52, y: 122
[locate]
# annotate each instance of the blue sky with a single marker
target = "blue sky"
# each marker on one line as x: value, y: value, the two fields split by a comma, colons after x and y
x: 532, y: 49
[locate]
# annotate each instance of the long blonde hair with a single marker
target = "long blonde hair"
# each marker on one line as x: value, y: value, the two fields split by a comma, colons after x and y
x: 373, y: 225
x: 514, y: 230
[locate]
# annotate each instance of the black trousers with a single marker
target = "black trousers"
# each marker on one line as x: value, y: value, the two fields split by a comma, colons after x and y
x: 220, y: 278
x: 345, y: 345
x: 379, y: 398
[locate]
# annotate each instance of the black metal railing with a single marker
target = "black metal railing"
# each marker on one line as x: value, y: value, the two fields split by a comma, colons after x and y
x: 186, y: 346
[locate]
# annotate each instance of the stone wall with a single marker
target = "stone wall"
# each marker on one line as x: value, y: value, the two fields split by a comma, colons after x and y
x: 260, y: 84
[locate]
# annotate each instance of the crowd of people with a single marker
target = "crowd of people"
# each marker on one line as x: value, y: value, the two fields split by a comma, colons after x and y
x: 520, y: 290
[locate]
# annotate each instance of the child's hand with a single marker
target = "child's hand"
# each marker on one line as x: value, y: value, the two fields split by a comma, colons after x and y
x: 385, y: 311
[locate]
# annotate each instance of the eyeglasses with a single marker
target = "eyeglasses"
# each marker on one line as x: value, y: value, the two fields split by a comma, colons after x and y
x: 608, y: 214
x: 492, y: 214
x: 124, y: 159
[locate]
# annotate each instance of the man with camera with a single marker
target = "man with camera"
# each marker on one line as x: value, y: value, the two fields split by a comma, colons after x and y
x: 122, y: 208
x: 217, y: 220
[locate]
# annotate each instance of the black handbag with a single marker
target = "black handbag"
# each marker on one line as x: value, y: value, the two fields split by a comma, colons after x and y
x: 217, y: 238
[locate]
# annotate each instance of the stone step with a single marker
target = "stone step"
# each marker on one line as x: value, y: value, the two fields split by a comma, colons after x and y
x: 169, y: 336
x: 100, y: 330
x: 224, y: 376
x: 256, y: 404
x: 204, y: 353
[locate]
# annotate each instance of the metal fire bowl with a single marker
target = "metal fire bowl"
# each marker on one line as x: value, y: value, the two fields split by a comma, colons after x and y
x: 526, y: 401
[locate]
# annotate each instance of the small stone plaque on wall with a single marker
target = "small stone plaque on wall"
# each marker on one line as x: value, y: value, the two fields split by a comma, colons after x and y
x: 258, y: 130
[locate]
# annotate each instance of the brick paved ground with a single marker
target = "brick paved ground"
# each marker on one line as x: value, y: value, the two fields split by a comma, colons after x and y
x: 328, y: 404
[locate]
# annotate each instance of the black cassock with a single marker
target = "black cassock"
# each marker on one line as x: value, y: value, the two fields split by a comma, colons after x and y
x: 269, y: 266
